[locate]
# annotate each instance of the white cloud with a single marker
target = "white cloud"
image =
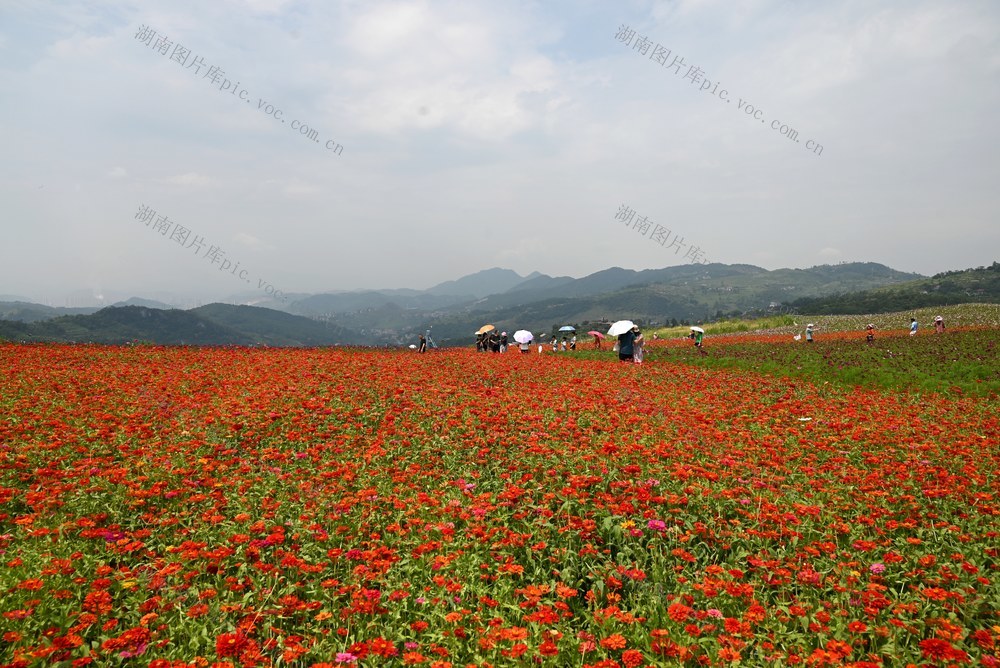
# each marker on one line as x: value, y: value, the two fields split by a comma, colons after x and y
x: 250, y: 241
x: 193, y: 179
x: 298, y: 188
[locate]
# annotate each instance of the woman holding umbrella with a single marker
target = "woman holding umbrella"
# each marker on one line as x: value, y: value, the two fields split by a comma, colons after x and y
x: 625, y: 331
x: 597, y: 338
x: 523, y: 338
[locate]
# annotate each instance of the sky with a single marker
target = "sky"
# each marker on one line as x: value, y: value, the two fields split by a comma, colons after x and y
x: 239, y: 149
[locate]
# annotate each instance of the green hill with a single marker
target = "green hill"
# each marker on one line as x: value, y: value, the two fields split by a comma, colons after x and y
x: 275, y: 328
x: 981, y: 284
x: 122, y: 324
x: 214, y: 324
x: 31, y: 312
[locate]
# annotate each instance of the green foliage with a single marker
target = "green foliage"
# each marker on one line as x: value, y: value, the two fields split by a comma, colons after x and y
x: 965, y: 362
x: 954, y: 287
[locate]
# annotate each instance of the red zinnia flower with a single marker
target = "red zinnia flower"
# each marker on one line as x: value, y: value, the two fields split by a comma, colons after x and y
x: 935, y: 649
x: 230, y: 644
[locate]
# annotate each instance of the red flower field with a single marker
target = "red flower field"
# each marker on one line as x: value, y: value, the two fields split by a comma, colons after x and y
x: 171, y: 507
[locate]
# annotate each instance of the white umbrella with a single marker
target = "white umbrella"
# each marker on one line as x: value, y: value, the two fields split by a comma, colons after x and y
x: 523, y: 336
x: 413, y: 346
x: 620, y: 327
x: 567, y: 328
x: 697, y: 329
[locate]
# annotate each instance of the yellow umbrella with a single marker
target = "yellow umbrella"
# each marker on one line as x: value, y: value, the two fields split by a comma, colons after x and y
x: 485, y: 328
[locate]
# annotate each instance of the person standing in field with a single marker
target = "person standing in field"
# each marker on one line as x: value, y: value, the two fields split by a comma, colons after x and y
x: 423, y: 344
x: 503, y: 342
x: 809, y: 333
x: 698, y: 338
x: 913, y: 326
x: 637, y: 343
x: 626, y: 350
x: 939, y: 325
x: 572, y: 343
x: 870, y: 333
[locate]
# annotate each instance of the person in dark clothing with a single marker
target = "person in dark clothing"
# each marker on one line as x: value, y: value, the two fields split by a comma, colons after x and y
x: 422, y: 348
x: 625, y: 346
x: 503, y: 342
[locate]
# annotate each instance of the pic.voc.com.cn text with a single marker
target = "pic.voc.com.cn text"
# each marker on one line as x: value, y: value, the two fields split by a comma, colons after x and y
x: 216, y: 76
x: 667, y: 59
x: 181, y: 235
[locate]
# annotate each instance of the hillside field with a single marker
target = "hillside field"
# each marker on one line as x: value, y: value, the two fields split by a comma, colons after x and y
x: 180, y: 506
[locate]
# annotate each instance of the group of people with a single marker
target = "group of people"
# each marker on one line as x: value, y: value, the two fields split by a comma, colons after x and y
x: 564, y: 344
x: 938, y: 326
x: 492, y: 342
x: 495, y: 342
x: 870, y: 329
x: 631, y: 343
x: 630, y: 346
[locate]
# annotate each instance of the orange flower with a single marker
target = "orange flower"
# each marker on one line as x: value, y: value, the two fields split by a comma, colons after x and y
x: 632, y: 658
x: 98, y: 602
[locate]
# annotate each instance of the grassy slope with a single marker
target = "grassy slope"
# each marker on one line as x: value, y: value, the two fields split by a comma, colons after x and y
x: 958, y: 362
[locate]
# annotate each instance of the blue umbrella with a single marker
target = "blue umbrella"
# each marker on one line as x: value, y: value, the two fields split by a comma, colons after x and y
x: 567, y: 328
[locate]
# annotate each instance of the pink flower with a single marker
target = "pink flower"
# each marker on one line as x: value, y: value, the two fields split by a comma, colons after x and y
x: 877, y: 568
x: 346, y: 657
x: 657, y: 525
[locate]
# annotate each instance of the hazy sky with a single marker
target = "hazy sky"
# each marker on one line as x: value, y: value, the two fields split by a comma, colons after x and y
x: 447, y: 137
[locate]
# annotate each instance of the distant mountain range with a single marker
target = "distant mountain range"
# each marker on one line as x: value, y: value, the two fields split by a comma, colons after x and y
x: 214, y: 324
x: 453, y: 310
